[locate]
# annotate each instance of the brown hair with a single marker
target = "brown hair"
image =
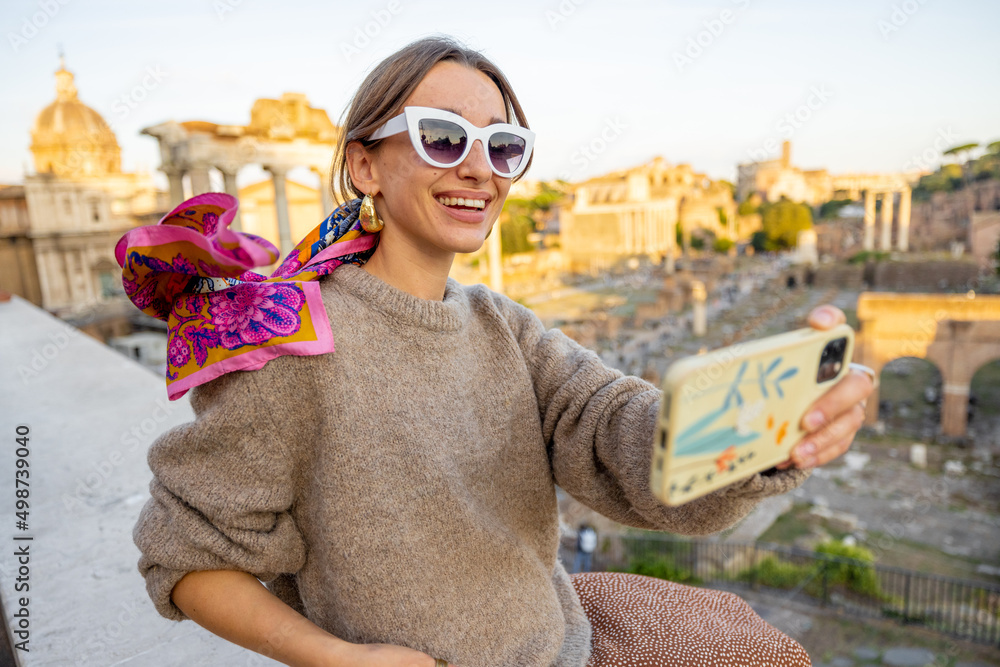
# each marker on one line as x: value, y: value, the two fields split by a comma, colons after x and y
x: 383, y: 92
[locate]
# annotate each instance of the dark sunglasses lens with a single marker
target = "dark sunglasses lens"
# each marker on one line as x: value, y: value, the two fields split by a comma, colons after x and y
x: 443, y: 140
x: 506, y: 152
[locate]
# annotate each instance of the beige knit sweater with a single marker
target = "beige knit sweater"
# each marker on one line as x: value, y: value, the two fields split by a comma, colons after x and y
x: 402, y: 488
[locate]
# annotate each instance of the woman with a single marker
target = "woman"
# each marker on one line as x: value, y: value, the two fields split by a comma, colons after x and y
x: 398, y: 495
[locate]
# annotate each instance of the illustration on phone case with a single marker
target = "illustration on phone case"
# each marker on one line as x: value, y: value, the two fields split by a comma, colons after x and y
x: 725, y: 439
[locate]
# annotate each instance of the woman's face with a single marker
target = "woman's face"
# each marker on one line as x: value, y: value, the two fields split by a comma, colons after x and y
x: 414, y: 198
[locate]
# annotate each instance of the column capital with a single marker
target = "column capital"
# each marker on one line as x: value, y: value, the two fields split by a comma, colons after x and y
x: 231, y: 168
x: 276, y: 169
x: 172, y: 169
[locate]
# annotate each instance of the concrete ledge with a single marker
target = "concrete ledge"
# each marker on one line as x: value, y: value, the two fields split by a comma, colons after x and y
x: 91, y: 414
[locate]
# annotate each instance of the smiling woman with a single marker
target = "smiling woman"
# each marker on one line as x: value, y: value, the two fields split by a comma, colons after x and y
x: 397, y: 495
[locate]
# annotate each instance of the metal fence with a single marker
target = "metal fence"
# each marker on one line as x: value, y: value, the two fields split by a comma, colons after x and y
x: 964, y: 609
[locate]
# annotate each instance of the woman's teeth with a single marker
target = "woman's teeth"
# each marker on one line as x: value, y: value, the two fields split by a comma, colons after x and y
x: 478, y: 204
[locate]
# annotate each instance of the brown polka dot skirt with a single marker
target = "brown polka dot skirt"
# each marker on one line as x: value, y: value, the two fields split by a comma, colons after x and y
x: 642, y: 621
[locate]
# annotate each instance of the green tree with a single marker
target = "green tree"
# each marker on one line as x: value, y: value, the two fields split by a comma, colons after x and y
x: 947, y: 178
x: 987, y: 166
x: 514, y: 234
x: 520, y: 217
x: 958, y: 152
x: 832, y: 208
x: 759, y: 241
x: 722, y: 245
x: 702, y: 238
x: 782, y: 221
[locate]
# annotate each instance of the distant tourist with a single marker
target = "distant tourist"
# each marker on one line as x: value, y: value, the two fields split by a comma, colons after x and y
x: 381, y: 445
x: 586, y: 543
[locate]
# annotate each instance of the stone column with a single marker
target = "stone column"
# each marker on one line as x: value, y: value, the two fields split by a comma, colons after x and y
x: 699, y: 318
x: 175, y: 176
x: 668, y: 229
x: 495, y: 259
x: 326, y: 203
x: 954, y: 409
x: 864, y: 353
x: 281, y: 207
x: 869, y: 220
x: 886, y: 242
x: 903, y: 240
x: 200, y: 182
x: 229, y: 185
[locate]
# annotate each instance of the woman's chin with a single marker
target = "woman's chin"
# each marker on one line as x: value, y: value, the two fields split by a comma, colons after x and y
x: 470, y: 242
x: 467, y: 248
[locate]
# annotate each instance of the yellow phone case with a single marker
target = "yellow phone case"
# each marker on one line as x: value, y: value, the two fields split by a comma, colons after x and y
x: 736, y: 411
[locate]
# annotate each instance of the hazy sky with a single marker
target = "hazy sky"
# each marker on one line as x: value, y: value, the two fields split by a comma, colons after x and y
x: 857, y: 85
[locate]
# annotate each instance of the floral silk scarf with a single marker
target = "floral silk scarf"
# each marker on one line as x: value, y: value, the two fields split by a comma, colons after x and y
x: 193, y: 272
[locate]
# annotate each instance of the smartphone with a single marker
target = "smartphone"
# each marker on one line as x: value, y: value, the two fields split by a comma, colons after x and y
x: 735, y: 411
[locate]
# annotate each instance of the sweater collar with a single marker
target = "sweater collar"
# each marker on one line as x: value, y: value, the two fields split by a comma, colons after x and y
x: 446, y: 315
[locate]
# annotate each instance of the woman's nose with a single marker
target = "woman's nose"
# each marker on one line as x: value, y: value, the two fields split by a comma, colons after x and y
x: 475, y: 165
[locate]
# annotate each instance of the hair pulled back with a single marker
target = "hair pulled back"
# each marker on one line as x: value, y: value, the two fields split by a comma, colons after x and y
x: 383, y: 92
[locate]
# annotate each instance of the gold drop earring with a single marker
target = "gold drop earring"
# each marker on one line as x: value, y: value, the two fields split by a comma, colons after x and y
x: 370, y: 221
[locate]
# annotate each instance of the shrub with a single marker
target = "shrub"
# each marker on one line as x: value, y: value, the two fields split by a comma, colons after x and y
x: 776, y: 573
x: 783, y: 220
x: 722, y: 245
x: 857, y: 575
x: 662, y: 568
x: 868, y: 255
x: 651, y: 560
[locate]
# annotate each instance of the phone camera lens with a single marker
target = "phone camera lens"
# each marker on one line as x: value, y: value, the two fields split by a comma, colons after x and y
x: 831, y: 360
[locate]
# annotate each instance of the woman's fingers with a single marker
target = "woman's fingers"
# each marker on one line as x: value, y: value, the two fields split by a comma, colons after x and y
x: 833, y: 420
x: 830, y: 441
x: 826, y: 317
x: 855, y: 387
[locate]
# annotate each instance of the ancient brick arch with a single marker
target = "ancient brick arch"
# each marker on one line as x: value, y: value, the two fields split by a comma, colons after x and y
x: 958, y: 333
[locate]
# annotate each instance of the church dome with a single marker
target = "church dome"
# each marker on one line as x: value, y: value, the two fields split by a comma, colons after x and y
x: 71, y: 139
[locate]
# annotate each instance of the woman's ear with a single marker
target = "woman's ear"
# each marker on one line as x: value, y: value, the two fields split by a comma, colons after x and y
x: 361, y: 168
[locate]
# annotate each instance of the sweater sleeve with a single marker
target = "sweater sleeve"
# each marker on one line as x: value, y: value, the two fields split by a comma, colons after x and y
x: 221, y: 492
x: 599, y: 427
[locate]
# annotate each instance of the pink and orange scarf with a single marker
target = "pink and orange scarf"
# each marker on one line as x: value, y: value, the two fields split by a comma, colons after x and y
x: 193, y: 272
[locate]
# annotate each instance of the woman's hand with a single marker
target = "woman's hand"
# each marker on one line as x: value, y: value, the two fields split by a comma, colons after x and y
x: 834, y: 419
x: 388, y: 655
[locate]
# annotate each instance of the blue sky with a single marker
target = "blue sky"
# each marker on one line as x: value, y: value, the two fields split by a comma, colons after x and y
x: 873, y: 82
